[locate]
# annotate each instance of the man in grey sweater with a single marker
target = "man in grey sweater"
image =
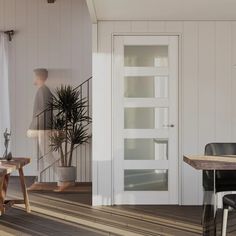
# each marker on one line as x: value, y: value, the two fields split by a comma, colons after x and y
x: 42, y: 119
x: 41, y: 124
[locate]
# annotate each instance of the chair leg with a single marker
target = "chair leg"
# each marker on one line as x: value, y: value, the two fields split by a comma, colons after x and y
x: 224, y: 223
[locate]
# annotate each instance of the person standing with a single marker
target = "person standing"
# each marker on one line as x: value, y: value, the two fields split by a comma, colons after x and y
x: 42, y: 117
x: 41, y: 124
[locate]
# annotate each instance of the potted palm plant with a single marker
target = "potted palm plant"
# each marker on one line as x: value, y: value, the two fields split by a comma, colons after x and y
x: 70, y: 129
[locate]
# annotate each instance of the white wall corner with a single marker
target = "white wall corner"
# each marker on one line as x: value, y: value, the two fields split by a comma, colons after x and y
x: 92, y: 11
x: 94, y: 38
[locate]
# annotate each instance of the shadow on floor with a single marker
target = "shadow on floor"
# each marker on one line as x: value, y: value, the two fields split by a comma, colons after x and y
x: 15, y: 189
x: 17, y: 222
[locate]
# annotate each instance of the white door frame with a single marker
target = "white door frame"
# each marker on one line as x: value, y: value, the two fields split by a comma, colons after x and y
x: 179, y: 106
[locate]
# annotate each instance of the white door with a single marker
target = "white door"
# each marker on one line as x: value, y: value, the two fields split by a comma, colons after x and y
x: 145, y: 120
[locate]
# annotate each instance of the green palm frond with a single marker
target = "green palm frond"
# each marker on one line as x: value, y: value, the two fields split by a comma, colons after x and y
x: 57, y: 139
x: 78, y: 135
x: 70, y: 120
x: 59, y: 122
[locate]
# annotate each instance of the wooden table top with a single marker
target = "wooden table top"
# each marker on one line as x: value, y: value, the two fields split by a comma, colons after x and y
x: 211, y: 162
x: 7, y: 167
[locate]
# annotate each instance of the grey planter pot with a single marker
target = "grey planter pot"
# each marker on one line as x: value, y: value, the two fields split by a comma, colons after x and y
x: 66, y: 176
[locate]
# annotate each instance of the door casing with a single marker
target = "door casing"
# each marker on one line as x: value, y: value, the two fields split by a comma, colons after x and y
x: 179, y: 106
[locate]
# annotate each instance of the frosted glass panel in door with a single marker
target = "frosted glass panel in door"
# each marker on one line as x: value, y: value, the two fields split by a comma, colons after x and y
x: 146, y: 56
x: 146, y: 180
x: 145, y: 149
x: 146, y: 87
x: 145, y: 118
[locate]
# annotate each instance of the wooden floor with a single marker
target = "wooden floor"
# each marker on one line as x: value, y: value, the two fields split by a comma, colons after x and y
x: 72, y: 214
x: 52, y: 187
x: 190, y: 214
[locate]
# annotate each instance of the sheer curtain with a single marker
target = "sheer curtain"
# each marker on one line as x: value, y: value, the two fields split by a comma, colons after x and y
x: 4, y: 90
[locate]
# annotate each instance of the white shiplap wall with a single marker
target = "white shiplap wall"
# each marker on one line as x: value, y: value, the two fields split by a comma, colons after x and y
x: 207, y: 95
x: 55, y: 36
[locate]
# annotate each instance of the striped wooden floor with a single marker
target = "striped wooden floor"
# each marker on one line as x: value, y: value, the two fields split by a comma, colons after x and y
x: 71, y: 214
x: 52, y: 187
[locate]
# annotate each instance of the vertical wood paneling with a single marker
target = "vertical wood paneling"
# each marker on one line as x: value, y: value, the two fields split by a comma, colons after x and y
x: 43, y: 49
x: 55, y: 36
x: 174, y: 26
x: 190, y: 109
x: 139, y: 26
x: 86, y: 46
x: 9, y: 15
x: 95, y: 113
x: 43, y: 34
x: 76, y: 41
x: 2, y: 20
x: 65, y: 33
x: 233, y: 35
x: 20, y: 79
x: 233, y: 78
x: 31, y: 60
x: 122, y: 26
x: 207, y: 87
x: 156, y: 26
x: 86, y: 42
x: 223, y: 82
x: 32, y: 43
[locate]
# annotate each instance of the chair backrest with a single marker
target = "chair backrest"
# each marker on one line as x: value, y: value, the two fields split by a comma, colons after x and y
x: 225, y: 180
x: 218, y: 149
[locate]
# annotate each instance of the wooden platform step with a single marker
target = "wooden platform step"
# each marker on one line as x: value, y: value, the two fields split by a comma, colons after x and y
x: 52, y: 187
x: 191, y: 227
x: 110, y: 219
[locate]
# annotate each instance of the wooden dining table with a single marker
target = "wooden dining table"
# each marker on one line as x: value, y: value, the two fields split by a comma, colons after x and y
x: 211, y: 164
x: 6, y: 169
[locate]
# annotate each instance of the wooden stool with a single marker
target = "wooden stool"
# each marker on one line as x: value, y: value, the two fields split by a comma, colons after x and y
x: 6, y: 168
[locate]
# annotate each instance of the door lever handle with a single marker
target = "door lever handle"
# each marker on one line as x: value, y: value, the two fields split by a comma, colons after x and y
x: 169, y: 126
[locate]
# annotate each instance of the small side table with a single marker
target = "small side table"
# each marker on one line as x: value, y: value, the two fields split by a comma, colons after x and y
x: 6, y: 168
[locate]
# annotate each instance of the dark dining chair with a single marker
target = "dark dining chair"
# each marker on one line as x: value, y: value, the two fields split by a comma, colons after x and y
x: 229, y: 200
x: 225, y: 181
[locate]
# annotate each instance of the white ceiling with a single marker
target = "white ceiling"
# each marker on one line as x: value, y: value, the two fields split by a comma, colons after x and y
x: 164, y: 9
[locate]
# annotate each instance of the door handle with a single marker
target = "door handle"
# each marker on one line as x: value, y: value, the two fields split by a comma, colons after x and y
x: 169, y: 126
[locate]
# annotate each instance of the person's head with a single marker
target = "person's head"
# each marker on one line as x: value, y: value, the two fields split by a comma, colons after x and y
x: 41, y: 76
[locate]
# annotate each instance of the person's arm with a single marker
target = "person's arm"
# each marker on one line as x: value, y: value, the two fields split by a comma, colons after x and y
x: 36, y: 110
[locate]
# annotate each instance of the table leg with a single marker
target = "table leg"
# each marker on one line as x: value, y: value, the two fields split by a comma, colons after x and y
x: 3, y: 192
x: 24, y: 190
x: 209, y: 204
x: 1, y: 196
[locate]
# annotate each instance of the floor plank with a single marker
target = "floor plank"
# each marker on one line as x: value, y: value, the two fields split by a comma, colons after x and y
x: 73, y: 214
x: 52, y: 187
x: 190, y: 214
